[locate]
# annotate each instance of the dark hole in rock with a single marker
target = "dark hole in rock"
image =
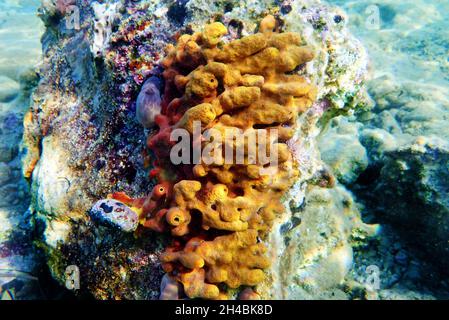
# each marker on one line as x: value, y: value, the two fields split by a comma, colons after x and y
x: 228, y: 7
x: 106, y: 208
x: 369, y: 176
x: 237, y: 26
x: 287, y: 241
x: 130, y: 174
x: 285, y: 9
x: 265, y: 126
x: 296, y: 222
x: 239, y: 192
x: 338, y: 18
x: 99, y: 164
x: 177, y: 12
x: 297, y: 69
x: 195, y: 225
x: 286, y: 227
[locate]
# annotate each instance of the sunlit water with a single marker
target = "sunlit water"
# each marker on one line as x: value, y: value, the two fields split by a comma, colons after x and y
x: 408, y: 39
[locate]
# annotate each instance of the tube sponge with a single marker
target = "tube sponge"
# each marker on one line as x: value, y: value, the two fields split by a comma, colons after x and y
x: 219, y: 213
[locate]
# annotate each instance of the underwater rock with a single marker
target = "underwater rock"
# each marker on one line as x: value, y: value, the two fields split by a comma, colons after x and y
x: 405, y: 136
x: 403, y: 275
x: 79, y: 141
x: 406, y: 127
x: 413, y: 181
x: 82, y: 142
x: 115, y: 213
x: 407, y: 124
x: 148, y: 104
x: 341, y: 149
x: 318, y: 244
x: 105, y: 18
x: 112, y: 264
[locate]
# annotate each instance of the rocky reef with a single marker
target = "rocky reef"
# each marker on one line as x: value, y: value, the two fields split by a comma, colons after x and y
x: 398, y: 149
x: 98, y: 188
x: 83, y: 141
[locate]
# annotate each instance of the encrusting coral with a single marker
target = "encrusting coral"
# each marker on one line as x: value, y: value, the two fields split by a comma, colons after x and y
x: 218, y: 212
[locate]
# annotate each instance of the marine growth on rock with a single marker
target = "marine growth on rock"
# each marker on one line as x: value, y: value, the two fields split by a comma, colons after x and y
x: 245, y: 160
x: 219, y: 213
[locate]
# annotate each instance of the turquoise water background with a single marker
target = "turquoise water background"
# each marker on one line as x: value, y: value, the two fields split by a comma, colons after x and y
x: 411, y: 41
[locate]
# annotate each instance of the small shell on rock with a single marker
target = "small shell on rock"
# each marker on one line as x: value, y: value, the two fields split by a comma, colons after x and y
x: 148, y: 104
x: 115, y: 213
x: 169, y: 288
